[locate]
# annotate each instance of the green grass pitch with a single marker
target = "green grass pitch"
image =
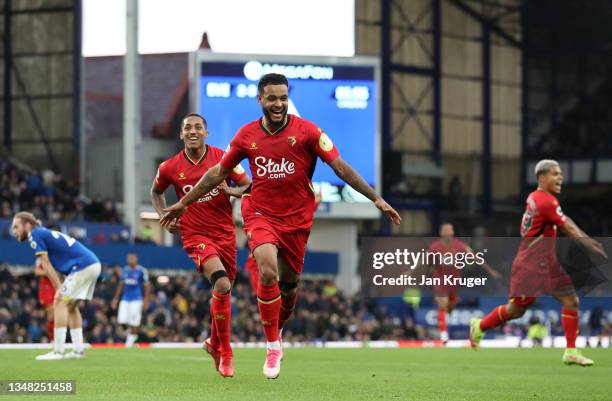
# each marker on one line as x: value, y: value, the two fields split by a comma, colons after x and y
x: 321, y: 374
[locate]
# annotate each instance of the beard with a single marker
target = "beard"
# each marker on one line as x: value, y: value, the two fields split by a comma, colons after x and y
x: 268, y: 114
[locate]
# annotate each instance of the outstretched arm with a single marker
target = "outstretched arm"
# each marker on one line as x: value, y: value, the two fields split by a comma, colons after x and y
x: 344, y: 171
x: 572, y: 230
x: 213, y: 177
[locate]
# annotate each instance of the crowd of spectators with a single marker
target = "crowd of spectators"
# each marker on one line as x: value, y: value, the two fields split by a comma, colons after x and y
x: 49, y: 196
x: 178, y: 311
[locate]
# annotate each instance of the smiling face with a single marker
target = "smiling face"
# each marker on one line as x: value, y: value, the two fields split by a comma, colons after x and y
x: 551, y: 181
x: 274, y: 101
x: 193, y: 133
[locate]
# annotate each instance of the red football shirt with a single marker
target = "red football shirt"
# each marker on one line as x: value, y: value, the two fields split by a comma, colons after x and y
x: 282, y: 165
x: 211, y: 215
x: 455, y: 246
x: 542, y: 215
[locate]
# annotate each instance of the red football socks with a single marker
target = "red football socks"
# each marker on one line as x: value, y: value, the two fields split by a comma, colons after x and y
x: 269, y: 302
x: 569, y: 321
x: 495, y: 318
x: 222, y: 317
x: 214, y: 339
x: 286, y: 309
x: 442, y: 320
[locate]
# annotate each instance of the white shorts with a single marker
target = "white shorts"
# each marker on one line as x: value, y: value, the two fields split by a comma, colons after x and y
x: 130, y: 313
x: 81, y: 284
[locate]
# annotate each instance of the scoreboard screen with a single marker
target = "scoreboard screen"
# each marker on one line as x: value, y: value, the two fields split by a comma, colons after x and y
x: 340, y: 95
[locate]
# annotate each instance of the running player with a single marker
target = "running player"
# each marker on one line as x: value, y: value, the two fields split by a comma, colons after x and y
x: 282, y: 150
x: 447, y: 296
x: 536, y: 270
x: 56, y: 251
x: 207, y: 230
x: 134, y: 284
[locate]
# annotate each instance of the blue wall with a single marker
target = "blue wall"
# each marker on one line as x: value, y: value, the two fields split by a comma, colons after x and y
x: 162, y: 257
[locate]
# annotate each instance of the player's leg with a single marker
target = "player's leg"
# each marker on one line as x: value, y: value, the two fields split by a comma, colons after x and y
x: 50, y: 321
x: 268, y: 291
x: 78, y: 286
x: 221, y: 311
x: 60, y: 311
x: 253, y: 270
x: 570, y: 315
x: 443, y: 305
x: 288, y: 283
x: 134, y: 309
x: 498, y: 316
x: 123, y: 318
x: 75, y: 322
x: 269, y: 303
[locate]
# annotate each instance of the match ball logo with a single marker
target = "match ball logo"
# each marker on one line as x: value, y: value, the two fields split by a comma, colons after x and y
x: 325, y: 142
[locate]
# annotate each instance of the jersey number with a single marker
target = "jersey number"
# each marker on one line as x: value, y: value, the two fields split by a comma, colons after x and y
x: 526, y: 223
x: 57, y: 235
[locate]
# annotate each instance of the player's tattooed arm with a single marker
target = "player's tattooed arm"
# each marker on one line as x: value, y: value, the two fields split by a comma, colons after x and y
x: 571, y: 230
x: 345, y: 172
x: 43, y: 261
x: 213, y: 177
x: 158, y: 200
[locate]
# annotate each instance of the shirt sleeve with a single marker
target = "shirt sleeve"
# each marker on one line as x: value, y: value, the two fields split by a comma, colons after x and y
x: 37, y: 243
x: 237, y: 174
x: 161, y: 178
x: 123, y: 275
x: 552, y: 213
x: 145, y: 276
x: 234, y: 154
x: 322, y: 145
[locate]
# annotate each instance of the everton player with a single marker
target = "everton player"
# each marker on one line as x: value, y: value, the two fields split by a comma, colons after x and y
x: 207, y: 230
x: 134, y: 289
x: 56, y: 251
x: 282, y: 150
x: 535, y: 269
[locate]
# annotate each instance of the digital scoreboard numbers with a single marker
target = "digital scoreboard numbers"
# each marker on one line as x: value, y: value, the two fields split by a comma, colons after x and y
x: 340, y: 95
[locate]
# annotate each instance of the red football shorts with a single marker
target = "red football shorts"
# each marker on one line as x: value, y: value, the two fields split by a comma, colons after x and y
x: 446, y: 290
x: 534, y: 276
x: 201, y: 248
x: 46, y: 292
x: 291, y: 244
